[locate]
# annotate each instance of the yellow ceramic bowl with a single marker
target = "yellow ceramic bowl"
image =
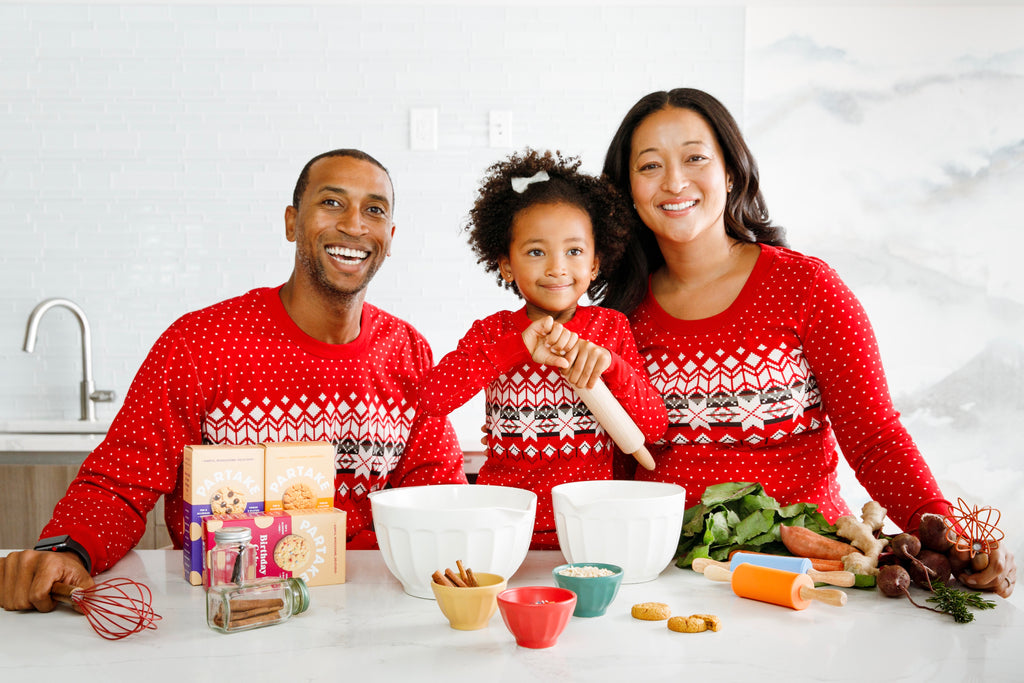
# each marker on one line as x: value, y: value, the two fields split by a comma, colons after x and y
x: 469, y: 609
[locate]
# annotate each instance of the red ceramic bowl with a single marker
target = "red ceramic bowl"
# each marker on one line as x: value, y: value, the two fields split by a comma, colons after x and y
x: 536, y: 615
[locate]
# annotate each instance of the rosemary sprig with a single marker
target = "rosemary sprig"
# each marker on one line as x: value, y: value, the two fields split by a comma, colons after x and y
x: 956, y: 602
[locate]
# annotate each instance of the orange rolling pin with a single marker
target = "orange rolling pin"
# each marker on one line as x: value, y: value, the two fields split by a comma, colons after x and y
x: 776, y: 586
x: 798, y: 565
x: 617, y: 422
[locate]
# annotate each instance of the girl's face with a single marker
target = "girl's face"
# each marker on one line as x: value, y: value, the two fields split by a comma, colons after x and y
x: 677, y: 176
x: 551, y: 259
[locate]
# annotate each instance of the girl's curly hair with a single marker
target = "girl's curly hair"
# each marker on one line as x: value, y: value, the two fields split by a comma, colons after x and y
x: 490, y: 220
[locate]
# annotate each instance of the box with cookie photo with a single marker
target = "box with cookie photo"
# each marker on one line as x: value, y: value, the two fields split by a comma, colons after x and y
x: 216, y: 480
x: 299, y: 475
x: 309, y: 544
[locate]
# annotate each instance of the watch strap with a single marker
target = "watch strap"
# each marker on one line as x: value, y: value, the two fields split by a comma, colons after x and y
x: 65, y: 544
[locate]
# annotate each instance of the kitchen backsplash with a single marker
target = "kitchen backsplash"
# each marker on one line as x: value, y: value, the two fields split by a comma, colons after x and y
x: 150, y: 150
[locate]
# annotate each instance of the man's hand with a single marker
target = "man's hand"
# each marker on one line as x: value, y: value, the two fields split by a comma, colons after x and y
x: 26, y: 577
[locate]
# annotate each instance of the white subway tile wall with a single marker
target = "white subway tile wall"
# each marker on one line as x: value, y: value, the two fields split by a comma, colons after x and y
x: 149, y: 151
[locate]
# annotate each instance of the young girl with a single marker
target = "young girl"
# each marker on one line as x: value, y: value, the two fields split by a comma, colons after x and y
x: 546, y: 231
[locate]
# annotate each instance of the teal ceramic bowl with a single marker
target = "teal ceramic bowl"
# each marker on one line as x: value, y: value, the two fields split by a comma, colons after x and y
x: 593, y: 593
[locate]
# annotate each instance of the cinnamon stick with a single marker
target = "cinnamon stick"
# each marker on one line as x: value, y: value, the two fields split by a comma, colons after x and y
x: 249, y: 605
x: 455, y: 578
x: 441, y: 579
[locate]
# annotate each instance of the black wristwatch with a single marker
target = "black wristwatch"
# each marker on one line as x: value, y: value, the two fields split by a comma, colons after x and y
x: 66, y: 544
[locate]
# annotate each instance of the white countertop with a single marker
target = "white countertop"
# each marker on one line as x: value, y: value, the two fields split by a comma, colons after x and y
x: 369, y: 628
x: 43, y: 442
x: 95, y: 427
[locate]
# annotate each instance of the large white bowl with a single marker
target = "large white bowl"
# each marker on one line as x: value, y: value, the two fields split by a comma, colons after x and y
x: 422, y: 529
x: 634, y: 524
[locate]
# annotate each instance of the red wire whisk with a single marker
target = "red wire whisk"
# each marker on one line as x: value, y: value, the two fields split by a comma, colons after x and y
x: 116, y: 608
x: 974, y: 531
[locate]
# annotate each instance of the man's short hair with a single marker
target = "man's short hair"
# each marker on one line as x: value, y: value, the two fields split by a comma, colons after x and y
x: 303, y: 181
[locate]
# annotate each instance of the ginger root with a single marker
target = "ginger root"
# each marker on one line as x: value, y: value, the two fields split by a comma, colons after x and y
x: 860, y: 564
x: 860, y: 536
x: 873, y: 514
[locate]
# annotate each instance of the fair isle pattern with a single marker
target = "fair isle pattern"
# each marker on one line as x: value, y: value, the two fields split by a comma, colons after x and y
x: 749, y: 396
x: 529, y: 411
x: 368, y: 433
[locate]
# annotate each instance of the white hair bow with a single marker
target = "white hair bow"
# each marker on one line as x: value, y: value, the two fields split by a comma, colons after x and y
x: 520, y: 184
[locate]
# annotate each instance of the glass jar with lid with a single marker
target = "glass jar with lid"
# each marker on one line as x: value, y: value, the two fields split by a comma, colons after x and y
x: 232, y: 560
x: 264, y: 602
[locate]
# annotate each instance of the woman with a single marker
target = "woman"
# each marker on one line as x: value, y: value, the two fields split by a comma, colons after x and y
x: 765, y: 359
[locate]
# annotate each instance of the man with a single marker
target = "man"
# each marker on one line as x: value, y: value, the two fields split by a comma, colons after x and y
x: 308, y: 358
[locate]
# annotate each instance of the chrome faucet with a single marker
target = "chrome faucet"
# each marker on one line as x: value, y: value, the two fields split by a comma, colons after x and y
x: 87, y: 395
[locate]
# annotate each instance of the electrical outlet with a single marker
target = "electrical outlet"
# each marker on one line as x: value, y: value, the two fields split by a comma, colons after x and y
x: 423, y: 128
x: 501, y: 129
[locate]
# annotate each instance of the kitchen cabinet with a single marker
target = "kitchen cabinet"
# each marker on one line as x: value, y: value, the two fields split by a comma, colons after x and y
x: 28, y: 493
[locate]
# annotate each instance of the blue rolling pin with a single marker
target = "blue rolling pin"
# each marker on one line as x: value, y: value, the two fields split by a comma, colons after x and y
x: 797, y: 565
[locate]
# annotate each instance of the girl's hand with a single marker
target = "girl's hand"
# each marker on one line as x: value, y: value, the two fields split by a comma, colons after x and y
x: 588, y: 363
x: 548, y: 342
x: 1000, y: 576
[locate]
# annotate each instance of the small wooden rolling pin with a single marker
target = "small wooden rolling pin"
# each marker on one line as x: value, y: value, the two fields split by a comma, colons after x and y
x: 799, y: 565
x: 617, y: 422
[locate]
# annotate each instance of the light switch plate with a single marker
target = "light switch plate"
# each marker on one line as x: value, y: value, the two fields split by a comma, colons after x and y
x: 423, y: 128
x: 501, y: 129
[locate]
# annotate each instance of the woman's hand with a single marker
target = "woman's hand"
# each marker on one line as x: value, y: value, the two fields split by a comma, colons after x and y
x: 1000, y: 576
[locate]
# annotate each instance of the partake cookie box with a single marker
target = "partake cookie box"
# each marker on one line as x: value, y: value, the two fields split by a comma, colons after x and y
x: 216, y: 480
x: 291, y: 543
x: 299, y: 475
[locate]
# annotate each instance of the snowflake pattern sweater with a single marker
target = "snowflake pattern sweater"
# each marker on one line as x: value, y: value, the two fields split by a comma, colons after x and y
x: 242, y: 372
x: 764, y: 390
x: 540, y: 434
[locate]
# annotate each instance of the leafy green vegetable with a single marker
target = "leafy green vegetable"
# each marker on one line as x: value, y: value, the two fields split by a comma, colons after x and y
x: 741, y: 516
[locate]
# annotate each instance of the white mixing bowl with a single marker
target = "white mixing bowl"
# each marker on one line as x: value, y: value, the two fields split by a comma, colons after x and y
x: 634, y: 524
x: 422, y: 529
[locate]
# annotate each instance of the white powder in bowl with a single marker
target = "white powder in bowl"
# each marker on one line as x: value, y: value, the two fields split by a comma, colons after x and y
x: 586, y: 571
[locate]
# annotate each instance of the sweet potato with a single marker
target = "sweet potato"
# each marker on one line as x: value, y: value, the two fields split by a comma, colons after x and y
x: 806, y: 543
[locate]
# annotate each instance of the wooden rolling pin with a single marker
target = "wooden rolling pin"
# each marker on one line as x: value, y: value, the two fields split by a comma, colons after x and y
x: 799, y: 565
x: 617, y: 422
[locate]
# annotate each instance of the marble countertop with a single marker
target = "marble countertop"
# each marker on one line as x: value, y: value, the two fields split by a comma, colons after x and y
x: 370, y: 628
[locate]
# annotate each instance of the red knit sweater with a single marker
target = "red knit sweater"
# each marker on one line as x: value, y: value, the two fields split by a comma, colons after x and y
x: 242, y: 372
x: 540, y: 434
x: 763, y: 391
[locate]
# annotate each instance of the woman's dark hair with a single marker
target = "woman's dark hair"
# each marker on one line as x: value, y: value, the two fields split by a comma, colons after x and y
x: 490, y: 220
x: 746, y: 214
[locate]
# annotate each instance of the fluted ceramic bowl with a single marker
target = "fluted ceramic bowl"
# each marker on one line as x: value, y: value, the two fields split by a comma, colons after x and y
x: 423, y: 529
x: 633, y: 524
x: 593, y: 593
x: 469, y: 609
x: 536, y: 615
